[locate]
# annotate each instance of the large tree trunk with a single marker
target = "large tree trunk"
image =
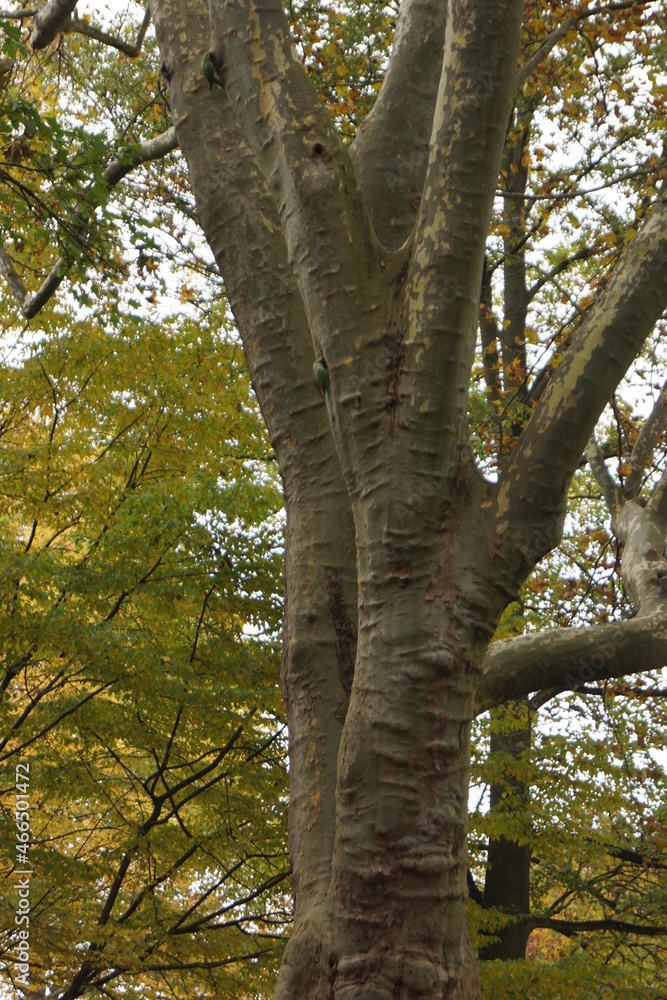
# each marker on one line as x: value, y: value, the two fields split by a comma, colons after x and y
x: 399, y: 557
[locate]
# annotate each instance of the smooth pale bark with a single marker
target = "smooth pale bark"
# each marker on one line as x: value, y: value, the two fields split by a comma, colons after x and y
x: 566, y: 658
x: 50, y: 19
x: 391, y: 175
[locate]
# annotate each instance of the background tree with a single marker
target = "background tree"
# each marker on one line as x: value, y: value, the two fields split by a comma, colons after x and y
x: 141, y: 549
x: 400, y: 555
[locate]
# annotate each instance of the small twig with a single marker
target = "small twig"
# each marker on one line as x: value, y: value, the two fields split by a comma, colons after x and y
x: 545, y: 278
x: 552, y: 40
x: 578, y: 192
x: 127, y: 48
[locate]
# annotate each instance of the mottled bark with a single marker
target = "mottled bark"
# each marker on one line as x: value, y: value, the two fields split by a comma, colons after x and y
x: 399, y: 557
x: 50, y: 19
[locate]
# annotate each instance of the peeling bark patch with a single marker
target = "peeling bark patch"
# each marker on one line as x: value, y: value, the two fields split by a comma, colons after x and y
x: 400, y: 571
x: 346, y: 636
x: 442, y: 586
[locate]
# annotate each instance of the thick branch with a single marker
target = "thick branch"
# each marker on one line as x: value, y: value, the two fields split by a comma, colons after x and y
x: 49, y: 21
x: 390, y: 151
x: 243, y: 229
x: 150, y: 149
x: 443, y: 286
x: 642, y: 530
x: 533, y: 486
x: 30, y: 303
x: 568, y: 658
x: 330, y: 239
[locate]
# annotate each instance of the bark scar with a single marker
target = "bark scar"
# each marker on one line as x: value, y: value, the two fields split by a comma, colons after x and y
x: 395, y: 368
x: 345, y: 632
x: 400, y: 571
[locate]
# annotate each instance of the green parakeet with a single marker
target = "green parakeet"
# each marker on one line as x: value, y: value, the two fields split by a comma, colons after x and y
x: 322, y: 379
x: 208, y: 69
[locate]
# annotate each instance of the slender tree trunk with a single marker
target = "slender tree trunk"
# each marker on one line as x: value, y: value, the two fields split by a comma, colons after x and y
x: 507, y: 882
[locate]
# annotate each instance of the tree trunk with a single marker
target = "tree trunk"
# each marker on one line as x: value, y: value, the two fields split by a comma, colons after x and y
x: 507, y: 882
x: 399, y: 556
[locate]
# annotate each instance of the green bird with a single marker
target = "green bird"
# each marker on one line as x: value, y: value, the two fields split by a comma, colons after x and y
x: 322, y: 379
x: 208, y: 69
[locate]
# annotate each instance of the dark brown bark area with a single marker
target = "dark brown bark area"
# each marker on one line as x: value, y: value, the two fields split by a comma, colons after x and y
x: 507, y: 882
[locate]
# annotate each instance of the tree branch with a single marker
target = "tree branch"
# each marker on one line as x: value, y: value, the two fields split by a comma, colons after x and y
x: 658, y: 502
x: 642, y: 530
x: 236, y: 209
x: 571, y: 927
x: 444, y: 280
x: 19, y: 15
x: 390, y: 150
x: 565, y: 659
x: 30, y: 303
x: 544, y: 279
x: 131, y: 49
x: 330, y: 239
x: 58, y: 16
x: 532, y: 489
x: 611, y: 491
x: 49, y: 21
x: 150, y: 149
x: 557, y: 35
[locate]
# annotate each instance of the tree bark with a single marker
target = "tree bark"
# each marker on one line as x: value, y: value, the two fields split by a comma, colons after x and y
x: 399, y: 557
